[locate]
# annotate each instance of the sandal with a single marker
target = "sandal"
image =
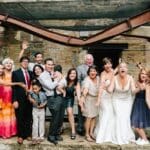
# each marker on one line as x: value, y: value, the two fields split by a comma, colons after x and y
x: 92, y: 137
x: 73, y: 136
x: 89, y: 139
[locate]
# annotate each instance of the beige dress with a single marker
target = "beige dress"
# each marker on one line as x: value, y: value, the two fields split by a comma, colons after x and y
x: 90, y: 109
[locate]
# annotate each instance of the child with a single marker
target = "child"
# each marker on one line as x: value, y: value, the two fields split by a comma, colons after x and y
x: 60, y: 89
x: 39, y: 101
x: 60, y: 94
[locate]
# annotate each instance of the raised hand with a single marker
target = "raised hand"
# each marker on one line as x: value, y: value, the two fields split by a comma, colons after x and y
x: 120, y: 60
x: 24, y: 45
x: 139, y: 65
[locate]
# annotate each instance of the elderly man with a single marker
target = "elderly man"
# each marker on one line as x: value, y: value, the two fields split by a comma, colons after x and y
x: 82, y: 73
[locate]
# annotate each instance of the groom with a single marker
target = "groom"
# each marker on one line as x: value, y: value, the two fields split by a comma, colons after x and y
x: 20, y: 100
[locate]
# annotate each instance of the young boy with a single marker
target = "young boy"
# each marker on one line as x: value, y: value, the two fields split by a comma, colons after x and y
x: 38, y: 98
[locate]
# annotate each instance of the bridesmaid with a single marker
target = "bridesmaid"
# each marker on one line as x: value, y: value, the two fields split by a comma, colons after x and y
x: 88, y: 99
x: 140, y: 117
x: 73, y: 87
x: 104, y: 128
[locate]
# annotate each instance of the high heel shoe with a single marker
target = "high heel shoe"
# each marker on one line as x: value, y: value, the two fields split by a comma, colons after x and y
x: 73, y: 136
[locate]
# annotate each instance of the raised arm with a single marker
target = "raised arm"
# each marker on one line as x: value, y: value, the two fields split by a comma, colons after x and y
x: 24, y: 46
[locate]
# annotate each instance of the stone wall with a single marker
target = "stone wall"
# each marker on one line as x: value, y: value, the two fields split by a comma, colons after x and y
x: 10, y: 39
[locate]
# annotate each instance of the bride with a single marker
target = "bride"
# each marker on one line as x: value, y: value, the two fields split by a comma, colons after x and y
x: 123, y: 88
x: 104, y: 128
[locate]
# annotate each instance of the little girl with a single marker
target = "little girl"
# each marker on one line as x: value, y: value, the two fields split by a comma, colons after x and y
x: 38, y: 98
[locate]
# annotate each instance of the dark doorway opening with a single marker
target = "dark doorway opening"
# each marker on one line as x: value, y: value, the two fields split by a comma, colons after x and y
x: 99, y: 51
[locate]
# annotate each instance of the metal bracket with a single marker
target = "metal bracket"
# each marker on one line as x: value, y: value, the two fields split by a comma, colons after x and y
x: 129, y: 24
x: 6, y: 17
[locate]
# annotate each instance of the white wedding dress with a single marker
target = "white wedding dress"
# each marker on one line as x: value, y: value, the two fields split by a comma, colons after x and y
x: 105, y: 126
x: 122, y: 103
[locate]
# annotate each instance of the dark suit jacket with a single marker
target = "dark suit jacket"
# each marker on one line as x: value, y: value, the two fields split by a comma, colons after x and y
x: 24, y: 111
x: 19, y: 94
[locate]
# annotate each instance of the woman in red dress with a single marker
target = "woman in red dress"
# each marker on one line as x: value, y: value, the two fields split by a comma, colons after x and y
x: 8, y: 126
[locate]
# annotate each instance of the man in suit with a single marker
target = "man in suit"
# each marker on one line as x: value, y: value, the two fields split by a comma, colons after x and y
x: 20, y: 100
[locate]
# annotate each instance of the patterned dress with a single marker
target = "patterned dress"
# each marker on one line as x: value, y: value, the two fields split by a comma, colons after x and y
x: 8, y: 126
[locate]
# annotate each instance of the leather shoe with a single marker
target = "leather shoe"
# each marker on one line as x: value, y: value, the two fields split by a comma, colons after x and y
x: 59, y: 138
x: 29, y: 138
x: 20, y: 140
x: 52, y: 140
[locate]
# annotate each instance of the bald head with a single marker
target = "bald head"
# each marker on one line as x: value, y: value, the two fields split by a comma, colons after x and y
x: 89, y: 59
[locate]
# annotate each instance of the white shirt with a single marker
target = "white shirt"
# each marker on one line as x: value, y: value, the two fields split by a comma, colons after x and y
x: 47, y: 83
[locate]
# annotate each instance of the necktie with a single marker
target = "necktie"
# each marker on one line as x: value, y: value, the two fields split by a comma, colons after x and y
x: 27, y: 79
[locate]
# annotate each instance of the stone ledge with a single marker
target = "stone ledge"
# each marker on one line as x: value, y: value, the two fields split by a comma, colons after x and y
x: 67, y: 144
x: 79, y: 144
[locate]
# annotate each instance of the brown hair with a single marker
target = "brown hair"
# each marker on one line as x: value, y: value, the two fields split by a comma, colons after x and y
x: 139, y: 76
x: 106, y: 60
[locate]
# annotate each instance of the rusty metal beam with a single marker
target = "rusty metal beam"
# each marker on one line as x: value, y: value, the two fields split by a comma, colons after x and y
x: 115, y: 30
x: 122, y: 27
x: 137, y: 36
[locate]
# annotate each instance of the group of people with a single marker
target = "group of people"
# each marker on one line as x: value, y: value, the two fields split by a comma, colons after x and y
x: 111, y: 106
x: 114, y: 104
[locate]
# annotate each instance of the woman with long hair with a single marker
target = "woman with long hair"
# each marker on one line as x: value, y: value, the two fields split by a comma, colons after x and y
x: 104, y: 127
x: 140, y: 117
x: 73, y: 87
